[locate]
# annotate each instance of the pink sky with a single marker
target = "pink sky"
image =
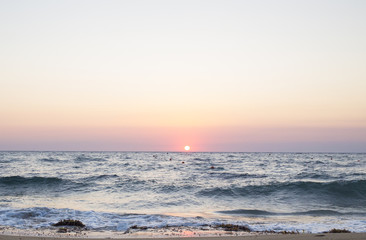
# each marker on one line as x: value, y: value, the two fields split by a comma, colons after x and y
x: 199, y: 138
x: 156, y: 76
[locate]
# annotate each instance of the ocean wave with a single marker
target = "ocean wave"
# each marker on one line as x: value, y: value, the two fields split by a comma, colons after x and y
x: 18, y: 180
x: 314, y: 213
x: 17, y: 185
x: 359, y: 174
x: 340, y: 192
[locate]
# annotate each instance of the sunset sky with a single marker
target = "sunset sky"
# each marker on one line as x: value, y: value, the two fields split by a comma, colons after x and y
x: 224, y: 75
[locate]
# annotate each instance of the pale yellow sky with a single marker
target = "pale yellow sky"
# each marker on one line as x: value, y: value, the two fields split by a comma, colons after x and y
x: 155, y: 75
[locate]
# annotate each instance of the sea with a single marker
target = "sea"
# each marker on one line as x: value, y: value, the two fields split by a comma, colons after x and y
x: 116, y: 192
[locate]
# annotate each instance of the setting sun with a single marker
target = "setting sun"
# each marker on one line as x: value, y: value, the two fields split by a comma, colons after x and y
x: 187, y: 148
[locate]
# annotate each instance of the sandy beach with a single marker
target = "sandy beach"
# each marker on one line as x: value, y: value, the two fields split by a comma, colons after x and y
x: 327, y: 236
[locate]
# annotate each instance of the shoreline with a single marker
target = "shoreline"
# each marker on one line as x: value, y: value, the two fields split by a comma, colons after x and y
x: 174, y: 233
x: 301, y: 236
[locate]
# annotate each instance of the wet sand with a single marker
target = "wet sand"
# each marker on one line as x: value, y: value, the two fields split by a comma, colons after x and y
x: 326, y: 236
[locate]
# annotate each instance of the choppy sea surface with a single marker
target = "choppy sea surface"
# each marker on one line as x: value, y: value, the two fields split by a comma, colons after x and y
x: 112, y: 191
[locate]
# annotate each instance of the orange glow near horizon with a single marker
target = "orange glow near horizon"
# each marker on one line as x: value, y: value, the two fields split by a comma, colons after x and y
x: 187, y: 148
x: 168, y: 90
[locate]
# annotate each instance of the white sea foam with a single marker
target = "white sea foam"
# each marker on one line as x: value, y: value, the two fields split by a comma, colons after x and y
x: 38, y: 218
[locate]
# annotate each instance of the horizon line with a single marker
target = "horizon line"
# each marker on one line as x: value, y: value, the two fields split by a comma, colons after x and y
x: 150, y: 151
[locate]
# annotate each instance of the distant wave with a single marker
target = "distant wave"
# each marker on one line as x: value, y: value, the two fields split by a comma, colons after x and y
x: 51, y: 159
x: 228, y: 175
x: 82, y: 158
x: 202, y: 159
x: 313, y: 176
x: 5, y: 161
x: 101, y: 177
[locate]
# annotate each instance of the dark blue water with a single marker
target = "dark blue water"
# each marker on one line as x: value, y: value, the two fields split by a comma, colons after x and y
x: 115, y: 190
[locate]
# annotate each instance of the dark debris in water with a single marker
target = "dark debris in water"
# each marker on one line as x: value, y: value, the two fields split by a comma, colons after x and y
x: 335, y: 230
x: 233, y: 228
x: 135, y: 227
x: 138, y: 227
x: 69, y: 222
x: 289, y: 232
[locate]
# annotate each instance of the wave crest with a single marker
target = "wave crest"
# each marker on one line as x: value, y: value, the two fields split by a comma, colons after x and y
x: 18, y: 180
x: 341, y: 193
x: 314, y: 213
